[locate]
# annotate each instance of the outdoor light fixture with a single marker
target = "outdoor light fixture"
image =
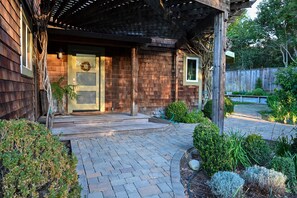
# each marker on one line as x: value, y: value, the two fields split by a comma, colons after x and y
x: 60, y: 54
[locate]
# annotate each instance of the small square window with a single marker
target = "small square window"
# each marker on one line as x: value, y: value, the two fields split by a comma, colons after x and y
x: 26, y: 46
x: 192, y: 69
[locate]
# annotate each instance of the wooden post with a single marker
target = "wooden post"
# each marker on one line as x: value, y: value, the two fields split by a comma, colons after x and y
x: 219, y: 69
x: 134, y: 83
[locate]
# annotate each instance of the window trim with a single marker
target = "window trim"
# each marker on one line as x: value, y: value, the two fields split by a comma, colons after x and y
x: 197, y: 69
x: 27, y: 67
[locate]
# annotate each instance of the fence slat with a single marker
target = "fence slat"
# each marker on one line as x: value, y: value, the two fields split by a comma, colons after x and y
x: 245, y: 80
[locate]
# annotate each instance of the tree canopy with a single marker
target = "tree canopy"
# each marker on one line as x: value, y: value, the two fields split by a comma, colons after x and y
x: 269, y: 40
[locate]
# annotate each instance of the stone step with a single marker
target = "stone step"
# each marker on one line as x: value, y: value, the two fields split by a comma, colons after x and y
x: 109, y: 131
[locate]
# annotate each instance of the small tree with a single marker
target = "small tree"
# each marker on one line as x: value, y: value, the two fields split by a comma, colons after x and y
x: 259, y: 83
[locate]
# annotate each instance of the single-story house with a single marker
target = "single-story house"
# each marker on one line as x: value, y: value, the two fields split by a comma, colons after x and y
x: 123, y: 56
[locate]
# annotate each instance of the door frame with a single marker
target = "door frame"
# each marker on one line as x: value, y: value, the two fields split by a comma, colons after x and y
x: 100, y: 56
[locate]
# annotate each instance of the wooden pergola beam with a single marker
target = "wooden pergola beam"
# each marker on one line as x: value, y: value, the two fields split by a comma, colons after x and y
x: 217, y: 4
x: 219, y: 69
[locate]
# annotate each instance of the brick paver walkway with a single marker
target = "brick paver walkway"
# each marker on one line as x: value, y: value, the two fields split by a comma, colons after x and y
x: 131, y: 165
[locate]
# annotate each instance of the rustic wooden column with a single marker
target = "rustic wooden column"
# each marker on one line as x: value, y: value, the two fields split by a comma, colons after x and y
x: 134, y: 83
x: 219, y: 69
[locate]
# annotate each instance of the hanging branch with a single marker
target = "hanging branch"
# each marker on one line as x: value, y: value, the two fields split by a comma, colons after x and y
x: 42, y: 17
x: 203, y: 47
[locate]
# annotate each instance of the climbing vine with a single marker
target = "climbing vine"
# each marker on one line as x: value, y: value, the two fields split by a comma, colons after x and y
x: 41, y: 19
x: 202, y: 46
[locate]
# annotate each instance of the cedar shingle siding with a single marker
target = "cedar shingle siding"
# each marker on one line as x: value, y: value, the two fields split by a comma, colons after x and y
x: 16, y: 91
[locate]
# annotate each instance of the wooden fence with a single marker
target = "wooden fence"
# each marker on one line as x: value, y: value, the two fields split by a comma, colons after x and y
x: 245, y: 80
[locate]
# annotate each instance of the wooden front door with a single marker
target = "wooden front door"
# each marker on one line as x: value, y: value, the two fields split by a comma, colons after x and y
x: 84, y: 70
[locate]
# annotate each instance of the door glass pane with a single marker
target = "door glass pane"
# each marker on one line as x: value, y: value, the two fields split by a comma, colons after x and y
x: 86, y: 97
x: 86, y: 61
x: 86, y: 79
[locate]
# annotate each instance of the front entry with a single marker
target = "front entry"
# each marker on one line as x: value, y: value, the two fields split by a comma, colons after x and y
x: 84, y: 73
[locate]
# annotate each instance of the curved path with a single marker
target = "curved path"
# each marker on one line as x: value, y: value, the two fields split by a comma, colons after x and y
x: 133, y: 165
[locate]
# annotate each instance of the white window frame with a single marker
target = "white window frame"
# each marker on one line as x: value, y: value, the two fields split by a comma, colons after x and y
x: 26, y: 67
x: 197, y: 69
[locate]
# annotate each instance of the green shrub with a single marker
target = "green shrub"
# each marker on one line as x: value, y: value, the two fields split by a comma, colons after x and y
x: 176, y: 110
x: 208, y: 109
x: 259, y: 83
x: 194, y: 117
x: 212, y: 148
x: 282, y: 146
x: 236, y: 150
x: 286, y: 166
x: 228, y: 107
x: 258, y: 92
x: 226, y: 184
x: 33, y: 163
x: 283, y: 102
x: 267, y: 179
x: 257, y: 149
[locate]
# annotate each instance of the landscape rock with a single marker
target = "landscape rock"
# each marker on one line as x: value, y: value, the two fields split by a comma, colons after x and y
x: 194, y: 165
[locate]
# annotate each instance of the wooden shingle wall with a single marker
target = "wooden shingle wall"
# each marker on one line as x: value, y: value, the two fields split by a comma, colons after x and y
x: 118, y: 83
x: 16, y: 91
x: 154, y: 83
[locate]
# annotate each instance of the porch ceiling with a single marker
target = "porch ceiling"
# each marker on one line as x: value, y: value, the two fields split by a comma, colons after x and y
x: 174, y: 19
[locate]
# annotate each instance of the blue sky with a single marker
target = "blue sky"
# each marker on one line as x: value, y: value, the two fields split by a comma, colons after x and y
x: 252, y: 12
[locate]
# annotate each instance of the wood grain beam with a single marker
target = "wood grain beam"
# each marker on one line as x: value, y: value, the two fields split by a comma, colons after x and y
x: 217, y: 4
x: 219, y: 69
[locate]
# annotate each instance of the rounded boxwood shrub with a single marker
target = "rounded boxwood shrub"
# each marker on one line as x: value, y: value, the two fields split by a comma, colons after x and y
x: 228, y: 107
x: 226, y: 184
x: 176, y: 111
x: 33, y: 163
x: 258, y: 92
x: 257, y: 149
x: 212, y: 148
x: 286, y: 166
x: 194, y: 117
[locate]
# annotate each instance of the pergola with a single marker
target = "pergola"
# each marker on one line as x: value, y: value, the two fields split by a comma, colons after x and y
x: 149, y: 21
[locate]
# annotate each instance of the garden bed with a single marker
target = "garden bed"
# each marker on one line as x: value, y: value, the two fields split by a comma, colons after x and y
x: 195, y: 182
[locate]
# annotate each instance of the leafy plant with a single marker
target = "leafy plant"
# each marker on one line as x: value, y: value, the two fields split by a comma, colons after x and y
x: 259, y: 84
x: 257, y: 149
x: 228, y: 107
x: 59, y: 91
x: 194, y: 117
x: 212, y: 148
x: 33, y: 163
x: 284, y: 101
x: 267, y: 179
x: 283, y: 146
x: 258, y: 92
x: 286, y: 166
x: 226, y: 184
x: 176, y: 110
x: 236, y: 150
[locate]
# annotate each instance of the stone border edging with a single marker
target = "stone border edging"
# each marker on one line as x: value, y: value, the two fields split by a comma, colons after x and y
x: 177, y: 187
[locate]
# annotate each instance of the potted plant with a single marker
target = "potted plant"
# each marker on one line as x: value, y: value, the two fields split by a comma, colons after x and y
x: 60, y: 92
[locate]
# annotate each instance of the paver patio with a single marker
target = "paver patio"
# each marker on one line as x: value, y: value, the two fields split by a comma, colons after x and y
x: 147, y: 164
x: 132, y: 165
